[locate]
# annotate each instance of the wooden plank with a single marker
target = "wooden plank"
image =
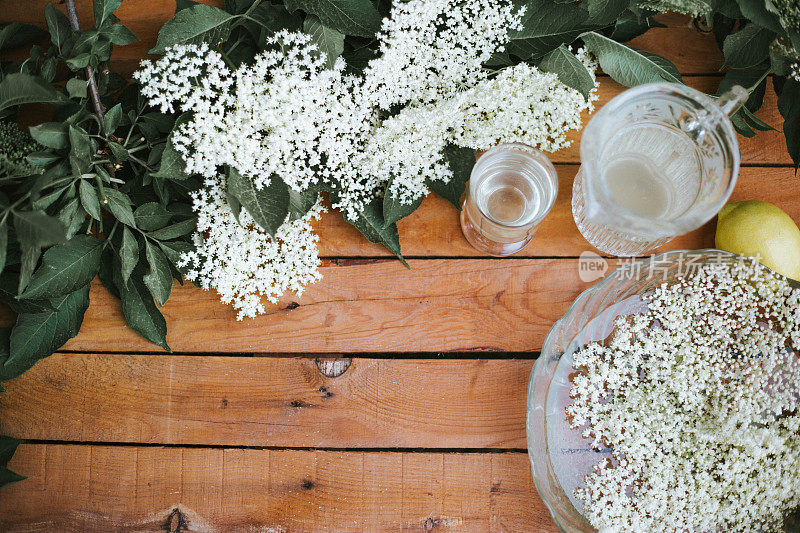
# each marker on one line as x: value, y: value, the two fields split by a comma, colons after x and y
x: 364, y: 305
x: 692, y: 51
x: 257, y: 401
x: 434, y: 229
x: 102, y: 488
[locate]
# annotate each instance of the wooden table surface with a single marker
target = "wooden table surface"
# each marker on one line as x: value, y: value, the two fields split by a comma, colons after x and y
x: 247, y: 427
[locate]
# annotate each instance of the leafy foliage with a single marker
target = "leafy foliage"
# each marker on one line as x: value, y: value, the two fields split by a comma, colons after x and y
x: 8, y: 446
x: 87, y: 192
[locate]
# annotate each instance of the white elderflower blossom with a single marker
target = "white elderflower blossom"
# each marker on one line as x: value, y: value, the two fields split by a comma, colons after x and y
x: 241, y: 261
x: 191, y: 76
x: 521, y: 104
x: 430, y: 49
x: 698, y: 398
x: 289, y: 116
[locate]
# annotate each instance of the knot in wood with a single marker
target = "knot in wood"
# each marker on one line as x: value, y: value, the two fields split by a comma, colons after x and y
x: 431, y: 523
x: 333, y: 367
x: 176, y: 522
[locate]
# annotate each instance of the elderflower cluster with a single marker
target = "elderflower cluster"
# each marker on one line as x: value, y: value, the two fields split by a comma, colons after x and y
x: 15, y: 146
x: 788, y: 11
x: 694, y: 8
x: 291, y: 116
x: 431, y: 49
x: 698, y: 399
x: 241, y: 261
x: 521, y: 104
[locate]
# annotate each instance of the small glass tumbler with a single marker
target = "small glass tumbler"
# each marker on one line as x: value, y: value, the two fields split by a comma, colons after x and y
x: 511, y: 189
x: 657, y: 161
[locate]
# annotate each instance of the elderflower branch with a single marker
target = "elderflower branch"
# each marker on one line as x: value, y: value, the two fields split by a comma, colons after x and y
x: 288, y: 115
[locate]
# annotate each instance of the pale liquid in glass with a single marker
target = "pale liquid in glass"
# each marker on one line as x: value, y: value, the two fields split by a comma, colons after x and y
x: 510, y: 198
x: 653, y: 171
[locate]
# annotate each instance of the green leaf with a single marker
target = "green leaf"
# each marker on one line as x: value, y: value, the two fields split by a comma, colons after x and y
x: 3, y: 245
x: 112, y: 119
x: 789, y: 107
x: 269, y: 206
x: 89, y: 200
x: 159, y: 279
x: 15, y: 34
x: 460, y: 160
x: 9, y: 282
x: 120, y: 206
x: 394, y: 209
x: 80, y: 145
x: 180, y: 5
x: 546, y: 26
x: 79, y: 61
x: 753, y: 121
x: 8, y: 446
x: 38, y: 228
x: 42, y: 159
x: 751, y: 79
x: 172, y: 166
x: 174, y: 231
x: 77, y: 88
x: 781, y: 65
x: 174, y: 249
x: 65, y: 268
x: 128, y: 254
x: 371, y: 224
x: 329, y: 41
x: 569, y: 70
x: 17, y: 89
x: 151, y: 216
x: 603, y: 12
x: 103, y: 8
x: 37, y: 335
x: 629, y: 66
x: 140, y: 310
x: 194, y: 25
x: 756, y: 11
x: 632, y: 24
x: 57, y: 24
x: 119, y: 151
x: 119, y: 35
x: 51, y: 134
x: 748, y: 47
x: 274, y: 18
x: 300, y: 203
x: 350, y: 17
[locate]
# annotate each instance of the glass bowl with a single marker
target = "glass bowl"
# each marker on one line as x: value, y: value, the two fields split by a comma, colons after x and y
x: 560, y: 456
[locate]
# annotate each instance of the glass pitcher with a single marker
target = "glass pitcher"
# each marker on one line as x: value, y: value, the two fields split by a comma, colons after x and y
x: 657, y: 161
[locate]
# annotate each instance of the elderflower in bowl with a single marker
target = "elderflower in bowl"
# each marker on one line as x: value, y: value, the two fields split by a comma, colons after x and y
x: 668, y: 399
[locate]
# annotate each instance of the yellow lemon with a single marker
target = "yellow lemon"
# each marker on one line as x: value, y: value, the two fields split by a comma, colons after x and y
x: 762, y: 230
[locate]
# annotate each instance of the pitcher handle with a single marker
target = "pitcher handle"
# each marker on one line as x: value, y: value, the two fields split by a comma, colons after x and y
x: 733, y: 99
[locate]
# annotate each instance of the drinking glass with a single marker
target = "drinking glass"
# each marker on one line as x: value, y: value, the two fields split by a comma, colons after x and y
x: 657, y: 161
x: 511, y: 189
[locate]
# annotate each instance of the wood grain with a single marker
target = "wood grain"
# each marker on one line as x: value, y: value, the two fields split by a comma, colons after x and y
x: 257, y: 401
x: 365, y: 305
x: 102, y: 488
